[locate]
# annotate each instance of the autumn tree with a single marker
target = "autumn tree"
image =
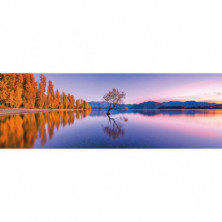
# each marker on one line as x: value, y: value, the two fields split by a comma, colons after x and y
x: 50, y: 95
x: 61, y: 106
x: 57, y: 99
x: 114, y: 98
x: 40, y: 97
x: 86, y: 105
x: 43, y: 80
x: 71, y: 101
x: 11, y: 89
x: 81, y: 104
x: 68, y: 97
x: 18, y: 90
x: 65, y: 100
x: 21, y: 90
x: 30, y: 90
x: 77, y: 104
x: 3, y: 89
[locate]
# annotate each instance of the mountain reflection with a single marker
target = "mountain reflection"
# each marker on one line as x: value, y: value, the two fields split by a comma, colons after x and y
x: 21, y: 131
x: 155, y: 112
x: 114, y: 129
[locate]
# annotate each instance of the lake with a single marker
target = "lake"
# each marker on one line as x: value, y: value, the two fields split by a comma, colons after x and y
x: 130, y: 129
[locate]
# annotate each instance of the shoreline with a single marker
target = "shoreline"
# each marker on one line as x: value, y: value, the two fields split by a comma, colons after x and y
x: 14, y: 111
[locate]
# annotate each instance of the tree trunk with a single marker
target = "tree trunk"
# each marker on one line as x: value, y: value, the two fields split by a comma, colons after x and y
x: 108, y: 112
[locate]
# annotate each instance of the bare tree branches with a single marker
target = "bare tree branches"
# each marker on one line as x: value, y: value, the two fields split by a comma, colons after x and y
x: 114, y: 98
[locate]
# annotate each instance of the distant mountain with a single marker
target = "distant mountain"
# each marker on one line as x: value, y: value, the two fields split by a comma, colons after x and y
x: 147, y: 105
x: 104, y: 105
x: 164, y: 105
x: 175, y: 105
x: 188, y: 104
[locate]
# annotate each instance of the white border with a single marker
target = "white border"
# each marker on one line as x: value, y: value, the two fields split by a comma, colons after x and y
x: 120, y: 36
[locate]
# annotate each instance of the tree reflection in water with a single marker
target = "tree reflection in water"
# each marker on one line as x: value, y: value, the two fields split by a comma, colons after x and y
x: 114, y: 129
x: 21, y: 131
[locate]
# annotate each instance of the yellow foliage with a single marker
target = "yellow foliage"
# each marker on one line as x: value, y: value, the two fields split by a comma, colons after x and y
x: 21, y: 90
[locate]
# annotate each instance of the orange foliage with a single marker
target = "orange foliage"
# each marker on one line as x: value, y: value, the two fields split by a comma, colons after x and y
x: 18, y: 90
x: 30, y: 91
x: 21, y: 90
x: 3, y: 88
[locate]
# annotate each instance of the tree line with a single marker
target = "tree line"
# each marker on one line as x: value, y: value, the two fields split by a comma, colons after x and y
x: 22, y: 91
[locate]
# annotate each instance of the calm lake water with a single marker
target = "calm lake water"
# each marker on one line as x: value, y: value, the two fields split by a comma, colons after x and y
x: 132, y: 129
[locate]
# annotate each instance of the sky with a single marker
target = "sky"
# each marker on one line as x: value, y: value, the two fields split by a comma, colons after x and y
x: 141, y: 87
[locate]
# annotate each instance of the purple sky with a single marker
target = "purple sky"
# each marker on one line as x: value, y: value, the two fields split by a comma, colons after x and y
x: 141, y: 87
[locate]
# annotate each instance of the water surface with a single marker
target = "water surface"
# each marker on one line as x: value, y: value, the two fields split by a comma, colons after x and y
x: 132, y: 129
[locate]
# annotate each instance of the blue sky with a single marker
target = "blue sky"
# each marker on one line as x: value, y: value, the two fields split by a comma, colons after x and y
x: 141, y: 87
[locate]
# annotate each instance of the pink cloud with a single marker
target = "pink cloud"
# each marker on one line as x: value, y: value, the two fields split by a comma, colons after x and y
x: 200, y: 91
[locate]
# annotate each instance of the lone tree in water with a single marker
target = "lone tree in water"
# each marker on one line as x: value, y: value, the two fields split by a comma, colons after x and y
x: 114, y: 98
